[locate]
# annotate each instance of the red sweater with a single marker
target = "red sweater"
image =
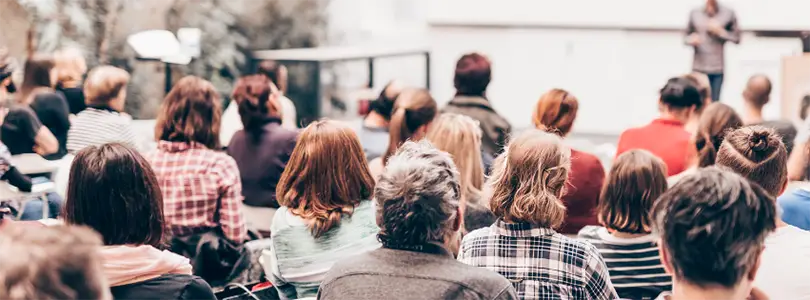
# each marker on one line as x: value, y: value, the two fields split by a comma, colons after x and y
x: 665, y: 138
x: 582, y: 191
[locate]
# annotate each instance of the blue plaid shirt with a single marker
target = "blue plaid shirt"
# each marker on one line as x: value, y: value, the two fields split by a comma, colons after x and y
x: 541, y: 263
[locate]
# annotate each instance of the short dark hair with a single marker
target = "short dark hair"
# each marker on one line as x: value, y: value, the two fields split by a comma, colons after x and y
x: 713, y: 226
x: 635, y: 181
x: 190, y: 113
x: 756, y: 153
x: 681, y: 93
x: 113, y: 190
x: 473, y: 73
x: 36, y: 77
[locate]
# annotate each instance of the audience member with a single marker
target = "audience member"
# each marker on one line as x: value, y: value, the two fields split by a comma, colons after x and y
x: 799, y: 161
x: 102, y: 120
x: 414, y: 110
x: 625, y: 240
x: 70, y: 67
x: 261, y: 149
x: 277, y: 74
x: 114, y: 191
x: 556, y: 111
x: 713, y: 226
x: 202, y: 191
x: 715, y: 121
x: 525, y: 188
x: 757, y: 94
x: 30, y: 209
x: 757, y: 153
x: 21, y: 130
x: 7, y: 86
x: 460, y: 136
x: 417, y: 208
x: 326, y: 213
x: 373, y: 133
x: 60, y: 262
x: 472, y: 76
x: 666, y: 137
x: 50, y: 107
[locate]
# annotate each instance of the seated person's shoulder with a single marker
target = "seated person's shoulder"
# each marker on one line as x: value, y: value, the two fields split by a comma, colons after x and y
x: 589, y: 232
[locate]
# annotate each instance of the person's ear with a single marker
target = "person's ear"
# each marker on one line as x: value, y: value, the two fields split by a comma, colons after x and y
x: 665, y: 259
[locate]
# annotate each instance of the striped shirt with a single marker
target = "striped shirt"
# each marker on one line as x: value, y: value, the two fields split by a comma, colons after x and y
x: 297, y: 262
x: 634, y: 263
x: 96, y: 126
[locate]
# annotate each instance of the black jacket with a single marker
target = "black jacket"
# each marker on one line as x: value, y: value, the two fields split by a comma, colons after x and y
x: 169, y: 286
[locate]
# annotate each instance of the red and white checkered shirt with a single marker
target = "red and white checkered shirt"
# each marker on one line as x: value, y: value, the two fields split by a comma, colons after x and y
x: 194, y: 181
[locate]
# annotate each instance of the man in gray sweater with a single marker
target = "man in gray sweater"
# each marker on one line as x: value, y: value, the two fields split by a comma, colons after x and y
x: 710, y: 27
x: 417, y: 209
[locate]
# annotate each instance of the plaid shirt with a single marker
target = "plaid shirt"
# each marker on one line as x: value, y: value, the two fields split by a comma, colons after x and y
x: 540, y: 263
x: 196, y: 180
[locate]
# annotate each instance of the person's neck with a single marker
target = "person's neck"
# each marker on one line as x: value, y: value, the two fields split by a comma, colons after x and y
x: 686, y: 291
x: 375, y: 120
x: 674, y: 116
x: 752, y: 115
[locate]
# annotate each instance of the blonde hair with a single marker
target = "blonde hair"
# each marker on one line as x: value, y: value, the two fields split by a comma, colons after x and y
x: 529, y: 178
x: 460, y: 136
x: 104, y: 84
x: 69, y: 66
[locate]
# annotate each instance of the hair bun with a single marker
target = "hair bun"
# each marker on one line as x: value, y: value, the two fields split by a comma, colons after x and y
x: 759, y: 141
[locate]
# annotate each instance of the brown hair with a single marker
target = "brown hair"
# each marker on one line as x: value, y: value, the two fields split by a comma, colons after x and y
x: 714, y: 123
x: 556, y: 110
x: 757, y: 153
x: 36, y: 78
x: 114, y: 190
x: 58, y: 262
x: 528, y: 179
x: 70, y: 65
x: 104, y: 84
x: 257, y: 99
x: 276, y: 72
x: 327, y: 176
x: 460, y: 136
x: 414, y: 108
x: 190, y: 113
x: 635, y: 181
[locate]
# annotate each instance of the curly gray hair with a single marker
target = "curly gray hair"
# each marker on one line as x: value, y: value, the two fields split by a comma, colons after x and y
x: 417, y: 196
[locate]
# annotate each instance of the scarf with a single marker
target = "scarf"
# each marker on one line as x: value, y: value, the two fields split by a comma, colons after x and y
x: 130, y: 264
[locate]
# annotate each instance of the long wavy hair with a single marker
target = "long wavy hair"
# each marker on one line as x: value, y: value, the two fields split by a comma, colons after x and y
x: 327, y: 176
x: 460, y: 136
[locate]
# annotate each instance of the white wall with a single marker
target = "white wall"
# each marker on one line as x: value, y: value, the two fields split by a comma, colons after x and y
x: 613, y: 55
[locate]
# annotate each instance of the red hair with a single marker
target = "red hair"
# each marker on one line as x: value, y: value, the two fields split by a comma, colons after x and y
x: 473, y: 73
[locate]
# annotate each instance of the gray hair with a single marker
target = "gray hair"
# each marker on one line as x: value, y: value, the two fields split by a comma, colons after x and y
x: 417, y: 196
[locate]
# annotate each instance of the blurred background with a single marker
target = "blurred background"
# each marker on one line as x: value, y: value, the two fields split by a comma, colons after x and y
x: 613, y: 55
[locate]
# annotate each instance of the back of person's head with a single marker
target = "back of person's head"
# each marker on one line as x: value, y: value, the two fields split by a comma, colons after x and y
x: 106, y: 86
x: 460, y: 136
x: 276, y: 72
x: 413, y: 112
x: 704, y: 87
x: 634, y: 183
x: 36, y: 77
x: 804, y: 107
x: 756, y: 153
x: 713, y: 226
x: 257, y: 99
x: 473, y: 73
x: 70, y: 66
x: 384, y: 104
x: 680, y: 93
x: 528, y: 179
x: 190, y: 113
x: 715, y: 121
x: 49, y: 263
x: 758, y: 91
x: 417, y: 197
x: 326, y: 177
x: 556, y: 110
x: 113, y: 190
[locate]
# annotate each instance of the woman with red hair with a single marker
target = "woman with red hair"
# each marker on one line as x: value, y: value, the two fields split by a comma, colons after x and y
x: 473, y: 73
